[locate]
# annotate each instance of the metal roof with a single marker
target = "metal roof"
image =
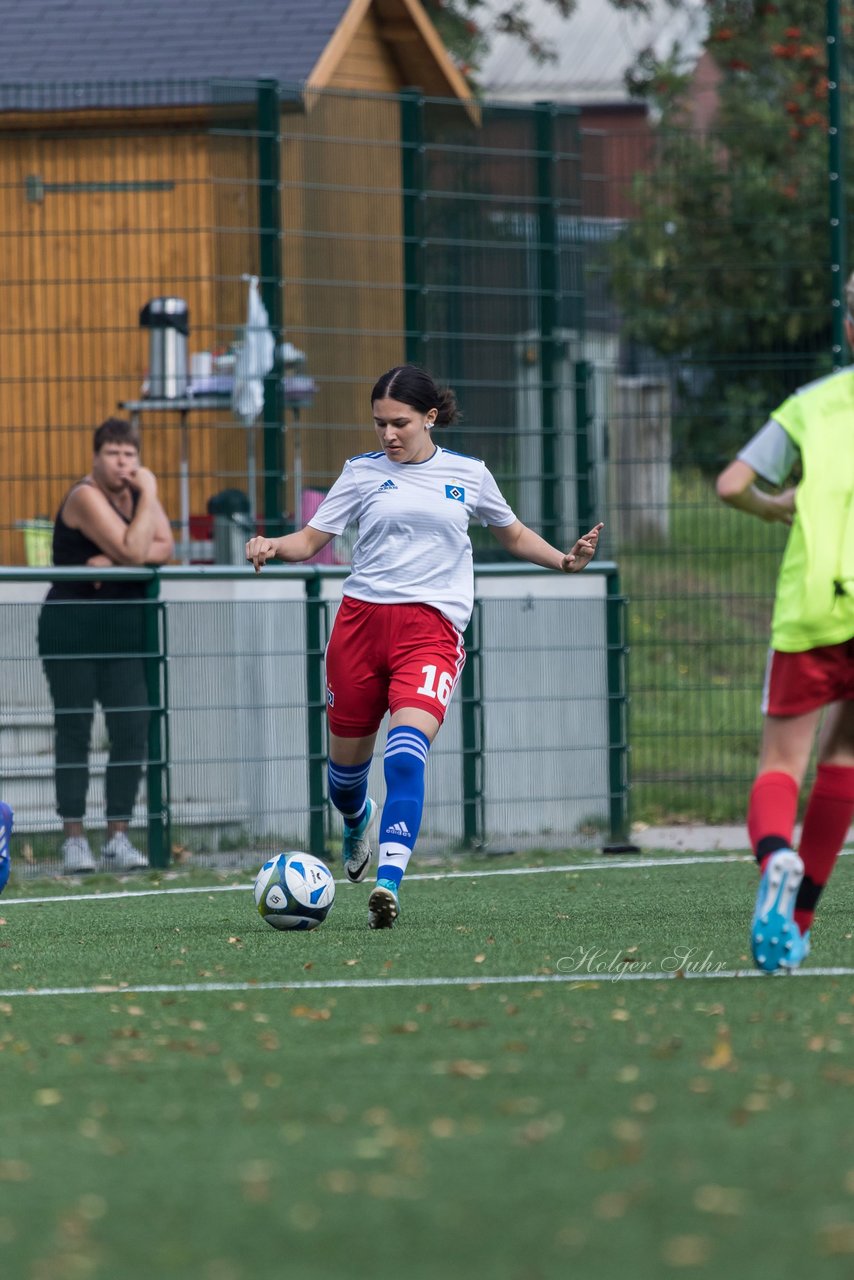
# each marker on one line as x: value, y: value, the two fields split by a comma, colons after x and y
x: 594, y: 47
x: 65, y: 42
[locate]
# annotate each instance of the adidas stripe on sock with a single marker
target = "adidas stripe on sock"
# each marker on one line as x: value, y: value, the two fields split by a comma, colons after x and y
x: 403, y: 764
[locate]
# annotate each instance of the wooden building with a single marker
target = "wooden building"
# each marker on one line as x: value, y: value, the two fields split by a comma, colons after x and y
x: 117, y: 190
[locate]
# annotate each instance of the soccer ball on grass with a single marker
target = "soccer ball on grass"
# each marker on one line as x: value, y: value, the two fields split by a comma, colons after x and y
x: 294, y: 891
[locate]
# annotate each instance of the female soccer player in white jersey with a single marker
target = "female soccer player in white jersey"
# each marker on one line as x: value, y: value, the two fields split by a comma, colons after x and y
x: 397, y: 643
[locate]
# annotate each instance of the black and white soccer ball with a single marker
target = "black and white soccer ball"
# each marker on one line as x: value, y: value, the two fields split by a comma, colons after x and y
x: 294, y: 891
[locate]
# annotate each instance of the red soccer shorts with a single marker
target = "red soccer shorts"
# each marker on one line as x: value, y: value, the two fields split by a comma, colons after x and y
x: 382, y: 657
x: 799, y: 682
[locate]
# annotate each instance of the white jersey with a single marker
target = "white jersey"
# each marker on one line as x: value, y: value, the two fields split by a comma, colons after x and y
x: 413, y: 545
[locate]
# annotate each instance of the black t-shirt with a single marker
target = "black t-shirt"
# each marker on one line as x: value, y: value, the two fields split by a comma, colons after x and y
x: 72, y: 547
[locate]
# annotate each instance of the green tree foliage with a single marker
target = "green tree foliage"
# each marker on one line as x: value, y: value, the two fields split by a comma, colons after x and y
x: 725, y: 269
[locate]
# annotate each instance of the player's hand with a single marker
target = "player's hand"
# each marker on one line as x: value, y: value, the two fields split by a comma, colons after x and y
x: 143, y: 481
x: 259, y: 550
x: 100, y: 561
x: 781, y: 507
x: 583, y: 551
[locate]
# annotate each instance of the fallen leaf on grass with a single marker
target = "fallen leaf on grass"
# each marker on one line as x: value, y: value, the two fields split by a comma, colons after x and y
x: 540, y: 1129
x: 721, y: 1055
x: 611, y: 1205
x: 467, y: 1069
x: 479, y: 958
x: 47, y: 1097
x: 837, y: 1238
x: 686, y: 1251
x: 14, y: 1171
x: 727, y: 1201
x: 404, y: 1028
x: 443, y: 1127
x: 341, y: 1182
x: 314, y: 1015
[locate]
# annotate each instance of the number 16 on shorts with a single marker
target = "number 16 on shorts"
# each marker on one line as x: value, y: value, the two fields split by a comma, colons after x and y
x: 440, y: 688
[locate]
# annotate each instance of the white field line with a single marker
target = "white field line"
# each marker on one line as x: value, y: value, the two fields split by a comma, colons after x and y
x: 604, y: 864
x: 364, y: 984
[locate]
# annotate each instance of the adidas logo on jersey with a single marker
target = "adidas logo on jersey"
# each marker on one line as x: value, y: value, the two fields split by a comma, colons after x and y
x: 397, y: 829
x: 386, y: 486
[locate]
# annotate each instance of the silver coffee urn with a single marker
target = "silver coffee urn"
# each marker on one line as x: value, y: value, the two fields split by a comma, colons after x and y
x: 168, y: 323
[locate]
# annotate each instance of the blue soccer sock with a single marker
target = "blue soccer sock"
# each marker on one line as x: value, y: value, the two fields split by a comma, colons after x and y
x: 6, y: 819
x: 348, y: 789
x: 405, y: 758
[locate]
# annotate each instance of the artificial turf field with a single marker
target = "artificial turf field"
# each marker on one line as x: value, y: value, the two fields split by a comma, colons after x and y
x: 515, y: 1082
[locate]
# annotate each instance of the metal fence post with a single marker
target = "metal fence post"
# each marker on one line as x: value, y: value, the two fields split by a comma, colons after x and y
x: 412, y: 182
x: 471, y: 690
x: 548, y: 285
x: 584, y: 497
x: 836, y: 179
x: 618, y: 743
x: 157, y: 768
x: 315, y: 609
x: 270, y: 284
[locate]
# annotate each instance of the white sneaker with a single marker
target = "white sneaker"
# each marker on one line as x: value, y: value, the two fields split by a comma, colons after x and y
x: 77, y: 857
x: 118, y: 854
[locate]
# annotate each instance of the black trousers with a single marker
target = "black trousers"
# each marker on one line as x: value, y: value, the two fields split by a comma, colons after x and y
x: 94, y: 653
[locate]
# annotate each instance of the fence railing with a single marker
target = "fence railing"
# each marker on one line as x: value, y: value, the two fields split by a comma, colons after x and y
x: 533, y: 753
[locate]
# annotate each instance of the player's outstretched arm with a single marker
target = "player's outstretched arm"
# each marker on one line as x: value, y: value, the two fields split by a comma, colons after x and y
x: 292, y: 548
x: 521, y: 541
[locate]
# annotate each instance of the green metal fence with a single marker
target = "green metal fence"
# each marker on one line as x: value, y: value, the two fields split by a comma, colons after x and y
x: 601, y: 299
x: 532, y: 755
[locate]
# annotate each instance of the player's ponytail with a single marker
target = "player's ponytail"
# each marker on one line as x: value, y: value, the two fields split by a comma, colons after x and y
x: 414, y: 386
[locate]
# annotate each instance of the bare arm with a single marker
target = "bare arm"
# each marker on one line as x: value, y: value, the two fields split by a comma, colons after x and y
x: 147, y: 539
x: 522, y: 542
x: 736, y: 486
x: 292, y: 548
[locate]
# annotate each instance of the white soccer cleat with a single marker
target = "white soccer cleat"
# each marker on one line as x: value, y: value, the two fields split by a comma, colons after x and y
x: 357, y: 852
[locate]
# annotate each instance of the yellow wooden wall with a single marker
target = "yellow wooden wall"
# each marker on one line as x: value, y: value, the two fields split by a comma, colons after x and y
x: 75, y: 269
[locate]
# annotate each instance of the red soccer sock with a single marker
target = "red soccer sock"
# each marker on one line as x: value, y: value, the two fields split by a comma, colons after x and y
x: 826, y: 823
x: 771, y: 814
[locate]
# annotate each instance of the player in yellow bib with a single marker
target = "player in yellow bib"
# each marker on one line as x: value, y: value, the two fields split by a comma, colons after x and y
x: 809, y: 682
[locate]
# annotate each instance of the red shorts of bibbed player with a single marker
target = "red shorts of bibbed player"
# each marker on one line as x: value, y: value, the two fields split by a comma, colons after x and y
x: 796, y: 683
x: 382, y: 657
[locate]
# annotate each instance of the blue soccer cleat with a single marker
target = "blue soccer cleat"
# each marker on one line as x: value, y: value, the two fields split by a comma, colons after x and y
x: 383, y: 905
x: 7, y: 819
x: 357, y: 847
x: 774, y: 937
x: 799, y: 951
